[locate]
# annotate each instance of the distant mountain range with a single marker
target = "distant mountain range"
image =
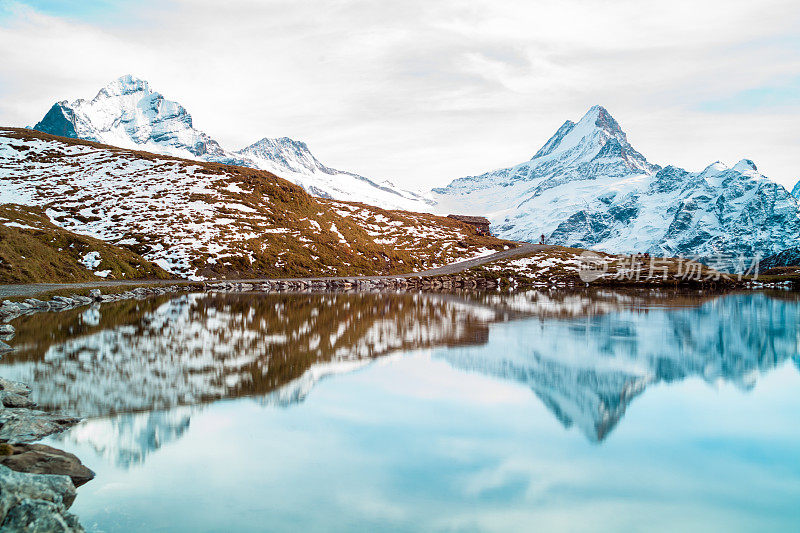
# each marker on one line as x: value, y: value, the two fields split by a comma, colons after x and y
x: 585, y: 187
x: 588, y: 187
x: 128, y: 114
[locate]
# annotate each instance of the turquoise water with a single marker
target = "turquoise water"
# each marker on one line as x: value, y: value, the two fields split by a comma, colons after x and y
x: 529, y: 412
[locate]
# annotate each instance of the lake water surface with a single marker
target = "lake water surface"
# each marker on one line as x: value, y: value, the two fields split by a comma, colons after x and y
x: 537, y: 411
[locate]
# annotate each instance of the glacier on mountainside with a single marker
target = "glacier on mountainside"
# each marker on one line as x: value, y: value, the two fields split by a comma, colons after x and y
x: 588, y: 187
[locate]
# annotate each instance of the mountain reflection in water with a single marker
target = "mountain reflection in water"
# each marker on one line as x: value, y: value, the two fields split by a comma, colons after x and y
x: 138, y: 370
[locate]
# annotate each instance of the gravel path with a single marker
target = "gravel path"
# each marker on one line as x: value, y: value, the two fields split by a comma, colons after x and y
x: 32, y: 289
x: 454, y: 268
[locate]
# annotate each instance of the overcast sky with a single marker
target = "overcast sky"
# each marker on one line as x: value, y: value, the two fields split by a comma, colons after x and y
x: 422, y: 92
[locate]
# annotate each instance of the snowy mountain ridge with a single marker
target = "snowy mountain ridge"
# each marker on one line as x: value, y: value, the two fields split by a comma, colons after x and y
x: 597, y: 135
x: 129, y: 114
x: 293, y: 160
x: 587, y: 187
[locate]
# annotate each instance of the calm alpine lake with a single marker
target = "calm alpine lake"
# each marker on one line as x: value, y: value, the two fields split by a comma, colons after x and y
x: 530, y: 411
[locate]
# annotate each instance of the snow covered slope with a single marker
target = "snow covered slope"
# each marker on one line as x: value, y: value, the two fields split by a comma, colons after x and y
x: 796, y: 190
x: 198, y: 219
x: 588, y: 187
x: 128, y: 114
x: 787, y: 258
x: 34, y: 250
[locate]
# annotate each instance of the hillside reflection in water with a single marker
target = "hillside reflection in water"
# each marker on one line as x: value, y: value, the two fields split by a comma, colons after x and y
x: 141, y: 372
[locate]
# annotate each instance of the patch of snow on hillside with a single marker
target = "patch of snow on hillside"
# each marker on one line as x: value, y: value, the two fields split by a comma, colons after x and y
x: 17, y: 225
x: 91, y: 260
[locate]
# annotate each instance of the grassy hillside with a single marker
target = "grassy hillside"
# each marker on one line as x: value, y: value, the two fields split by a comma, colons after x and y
x: 33, y: 249
x: 209, y: 220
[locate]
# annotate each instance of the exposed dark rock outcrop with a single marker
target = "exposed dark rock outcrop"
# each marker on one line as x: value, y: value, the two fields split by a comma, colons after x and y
x: 788, y: 257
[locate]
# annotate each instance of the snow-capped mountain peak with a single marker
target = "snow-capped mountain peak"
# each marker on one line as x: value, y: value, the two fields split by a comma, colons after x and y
x: 714, y: 172
x: 717, y: 172
x: 124, y: 85
x: 579, y: 151
x: 715, y: 168
x: 745, y: 166
x: 596, y: 135
x: 293, y: 160
x: 289, y: 153
x: 796, y: 190
x: 587, y: 187
x: 129, y: 114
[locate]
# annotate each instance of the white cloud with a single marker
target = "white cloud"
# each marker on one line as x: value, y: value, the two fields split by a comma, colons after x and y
x: 425, y: 91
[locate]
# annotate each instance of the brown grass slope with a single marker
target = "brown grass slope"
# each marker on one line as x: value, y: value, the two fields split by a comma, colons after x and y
x: 220, y: 221
x: 43, y: 252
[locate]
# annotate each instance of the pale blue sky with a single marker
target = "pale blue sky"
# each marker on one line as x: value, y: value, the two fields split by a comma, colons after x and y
x: 421, y: 92
x: 784, y: 95
x: 83, y: 9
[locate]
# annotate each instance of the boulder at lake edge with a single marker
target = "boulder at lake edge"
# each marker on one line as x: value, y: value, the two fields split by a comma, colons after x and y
x: 42, y: 459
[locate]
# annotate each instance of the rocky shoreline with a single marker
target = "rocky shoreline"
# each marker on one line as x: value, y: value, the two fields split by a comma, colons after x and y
x: 10, y: 310
x: 37, y: 482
